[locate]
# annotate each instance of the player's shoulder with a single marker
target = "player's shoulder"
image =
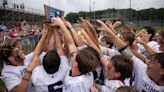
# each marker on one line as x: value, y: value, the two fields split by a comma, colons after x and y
x: 38, y: 69
x: 11, y: 69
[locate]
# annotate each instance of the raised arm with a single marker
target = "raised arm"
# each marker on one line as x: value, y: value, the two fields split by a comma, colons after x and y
x: 148, y: 49
x: 137, y: 54
x: 109, y: 23
x: 77, y: 39
x: 46, y: 44
x: 103, y: 60
x: 92, y: 29
x: 51, y: 44
x: 68, y: 38
x: 116, y: 24
x: 116, y: 40
x: 89, y: 41
x: 23, y: 86
x: 85, y: 24
x: 59, y: 47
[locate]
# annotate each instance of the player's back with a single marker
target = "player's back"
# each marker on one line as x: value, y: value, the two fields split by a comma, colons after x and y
x: 81, y: 83
x: 44, y: 82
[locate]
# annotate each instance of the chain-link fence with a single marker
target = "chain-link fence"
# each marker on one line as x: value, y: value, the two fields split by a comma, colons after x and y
x: 29, y: 43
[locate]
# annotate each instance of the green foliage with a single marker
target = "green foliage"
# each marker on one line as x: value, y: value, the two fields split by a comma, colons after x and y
x: 72, y: 17
x: 145, y: 14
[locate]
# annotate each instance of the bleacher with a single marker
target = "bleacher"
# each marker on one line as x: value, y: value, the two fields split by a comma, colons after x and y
x: 12, y: 14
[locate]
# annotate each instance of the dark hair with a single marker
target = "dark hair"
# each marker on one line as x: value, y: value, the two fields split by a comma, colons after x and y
x: 108, y: 41
x: 87, y: 59
x: 151, y: 31
x: 6, y: 51
x: 128, y: 36
x: 51, y: 62
x: 122, y: 65
x: 126, y: 89
x: 159, y: 58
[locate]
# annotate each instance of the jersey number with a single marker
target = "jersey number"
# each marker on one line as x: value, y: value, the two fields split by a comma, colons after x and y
x: 57, y: 87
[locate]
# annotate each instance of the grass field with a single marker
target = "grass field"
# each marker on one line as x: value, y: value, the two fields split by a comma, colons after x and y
x: 2, y: 87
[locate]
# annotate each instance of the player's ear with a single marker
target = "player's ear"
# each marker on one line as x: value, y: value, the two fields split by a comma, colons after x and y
x: 162, y: 71
x: 117, y: 74
x: 11, y: 58
x: 75, y: 64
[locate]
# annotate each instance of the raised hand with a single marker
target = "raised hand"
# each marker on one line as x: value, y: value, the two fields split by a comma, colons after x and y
x: 138, y: 40
x: 116, y: 24
x: 94, y: 89
x: 68, y: 24
x: 109, y: 23
x: 57, y: 22
x: 103, y: 27
x: 45, y: 29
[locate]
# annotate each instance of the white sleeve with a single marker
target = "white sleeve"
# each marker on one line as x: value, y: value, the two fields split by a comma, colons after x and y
x: 28, y: 58
x: 113, y: 52
x: 64, y: 65
x: 78, y: 87
x: 42, y: 56
x: 139, y: 66
x: 106, y: 89
x: 155, y: 46
x: 64, y: 61
x: 11, y: 80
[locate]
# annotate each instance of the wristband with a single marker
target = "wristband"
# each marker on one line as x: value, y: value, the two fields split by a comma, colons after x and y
x: 104, y: 50
x: 26, y: 79
x: 101, y: 54
x: 127, y: 53
x: 28, y: 71
x: 122, y: 48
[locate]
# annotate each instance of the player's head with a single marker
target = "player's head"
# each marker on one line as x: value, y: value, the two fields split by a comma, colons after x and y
x: 106, y: 42
x: 12, y: 54
x: 51, y: 62
x: 126, y: 89
x: 127, y: 37
x: 155, y: 68
x: 161, y: 40
x: 119, y: 68
x: 87, y: 60
x: 147, y: 33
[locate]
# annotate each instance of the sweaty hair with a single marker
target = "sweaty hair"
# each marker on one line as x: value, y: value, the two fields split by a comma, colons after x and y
x: 6, y: 51
x: 51, y: 62
x: 87, y: 59
x: 122, y: 65
x: 128, y: 36
x: 151, y: 31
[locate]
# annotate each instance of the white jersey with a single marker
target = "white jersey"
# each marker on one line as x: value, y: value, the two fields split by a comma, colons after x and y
x: 111, y: 85
x: 152, y: 44
x: 50, y: 82
x: 81, y: 83
x: 142, y: 81
x: 113, y: 52
x: 12, y: 75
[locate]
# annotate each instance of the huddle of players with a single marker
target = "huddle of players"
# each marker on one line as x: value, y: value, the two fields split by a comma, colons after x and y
x: 64, y: 62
